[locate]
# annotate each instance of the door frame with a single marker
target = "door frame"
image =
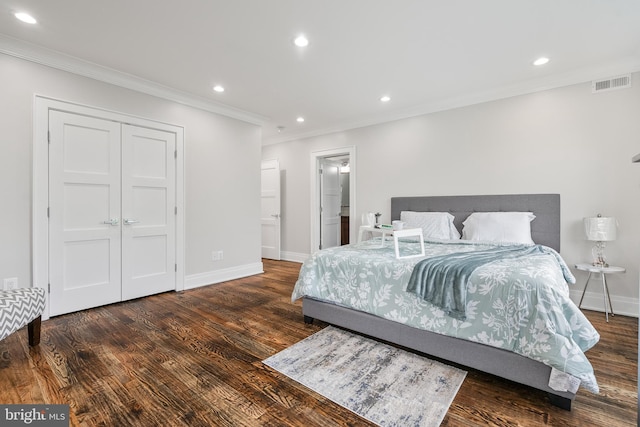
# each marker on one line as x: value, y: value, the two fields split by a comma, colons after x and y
x: 40, y: 183
x: 315, y: 192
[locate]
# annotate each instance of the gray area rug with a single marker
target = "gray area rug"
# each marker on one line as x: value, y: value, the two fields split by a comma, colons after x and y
x: 383, y: 384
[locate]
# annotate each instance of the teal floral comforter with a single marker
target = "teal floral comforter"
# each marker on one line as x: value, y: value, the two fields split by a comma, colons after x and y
x: 518, y: 305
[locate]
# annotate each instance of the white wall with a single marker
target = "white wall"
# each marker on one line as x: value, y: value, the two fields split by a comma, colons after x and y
x: 567, y: 141
x: 222, y: 171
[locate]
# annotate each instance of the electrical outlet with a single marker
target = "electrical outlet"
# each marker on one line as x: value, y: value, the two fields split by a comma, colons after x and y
x: 10, y: 283
x: 217, y: 256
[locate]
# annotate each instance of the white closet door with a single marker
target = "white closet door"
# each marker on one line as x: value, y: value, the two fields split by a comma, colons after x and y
x: 84, y: 212
x: 148, y: 211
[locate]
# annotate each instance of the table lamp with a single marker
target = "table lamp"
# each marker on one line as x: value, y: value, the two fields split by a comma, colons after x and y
x: 600, y: 229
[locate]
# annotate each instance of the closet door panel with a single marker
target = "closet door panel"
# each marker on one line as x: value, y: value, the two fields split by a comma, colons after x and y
x: 148, y: 211
x: 84, y: 212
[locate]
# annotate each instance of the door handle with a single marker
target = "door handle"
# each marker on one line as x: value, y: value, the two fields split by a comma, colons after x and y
x: 128, y: 221
x: 113, y: 221
x: 275, y: 215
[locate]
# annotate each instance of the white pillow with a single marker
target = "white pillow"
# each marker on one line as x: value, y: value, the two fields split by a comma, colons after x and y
x: 435, y: 225
x: 504, y: 227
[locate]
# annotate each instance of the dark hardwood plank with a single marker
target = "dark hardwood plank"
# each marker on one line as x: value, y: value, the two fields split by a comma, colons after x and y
x: 194, y: 359
x: 33, y: 329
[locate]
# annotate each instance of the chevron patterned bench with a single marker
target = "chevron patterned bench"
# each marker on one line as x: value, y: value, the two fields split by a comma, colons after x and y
x: 20, y: 307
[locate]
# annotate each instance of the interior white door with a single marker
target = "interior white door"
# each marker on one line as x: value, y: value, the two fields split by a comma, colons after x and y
x: 330, y: 204
x: 148, y: 211
x: 84, y: 212
x: 270, y: 209
x: 112, y: 204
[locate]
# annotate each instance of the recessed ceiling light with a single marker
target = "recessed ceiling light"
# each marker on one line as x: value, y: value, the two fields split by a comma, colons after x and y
x: 385, y: 98
x: 301, y: 41
x: 218, y: 88
x: 541, y: 61
x: 300, y: 119
x: 25, y: 17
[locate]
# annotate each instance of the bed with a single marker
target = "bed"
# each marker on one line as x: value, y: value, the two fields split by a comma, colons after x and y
x: 447, y: 335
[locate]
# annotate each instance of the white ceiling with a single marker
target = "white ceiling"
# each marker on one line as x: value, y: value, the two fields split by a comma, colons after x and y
x: 428, y: 55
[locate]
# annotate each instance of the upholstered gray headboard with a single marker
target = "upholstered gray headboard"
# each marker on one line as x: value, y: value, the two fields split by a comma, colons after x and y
x: 545, y: 228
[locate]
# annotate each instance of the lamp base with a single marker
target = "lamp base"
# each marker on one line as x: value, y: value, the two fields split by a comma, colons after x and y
x: 599, y: 260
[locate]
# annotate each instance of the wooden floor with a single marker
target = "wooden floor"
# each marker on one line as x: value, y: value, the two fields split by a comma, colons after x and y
x: 194, y: 359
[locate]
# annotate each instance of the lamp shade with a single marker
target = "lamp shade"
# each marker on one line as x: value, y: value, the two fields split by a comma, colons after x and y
x: 600, y: 229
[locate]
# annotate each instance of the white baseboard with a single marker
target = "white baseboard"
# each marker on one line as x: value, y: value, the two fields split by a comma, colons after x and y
x: 595, y: 301
x: 226, y: 274
x: 294, y: 256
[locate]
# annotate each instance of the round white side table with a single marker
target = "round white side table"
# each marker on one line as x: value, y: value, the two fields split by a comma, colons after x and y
x: 603, y: 271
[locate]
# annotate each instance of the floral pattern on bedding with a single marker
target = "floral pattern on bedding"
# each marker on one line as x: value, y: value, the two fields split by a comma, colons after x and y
x: 517, y: 305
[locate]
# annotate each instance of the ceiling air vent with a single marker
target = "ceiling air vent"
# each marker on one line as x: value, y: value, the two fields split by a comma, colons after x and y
x: 619, y: 82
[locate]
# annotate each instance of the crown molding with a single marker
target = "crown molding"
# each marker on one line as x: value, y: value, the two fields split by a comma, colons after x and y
x: 54, y: 59
x: 580, y: 76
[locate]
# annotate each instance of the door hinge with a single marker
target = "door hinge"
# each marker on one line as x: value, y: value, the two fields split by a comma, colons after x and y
x: 49, y: 288
x: 49, y: 137
x: 47, y: 212
x: 320, y: 171
x: 176, y: 268
x: 175, y: 154
x: 175, y: 210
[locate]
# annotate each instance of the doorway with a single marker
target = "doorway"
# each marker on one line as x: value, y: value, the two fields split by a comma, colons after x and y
x: 332, y: 215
